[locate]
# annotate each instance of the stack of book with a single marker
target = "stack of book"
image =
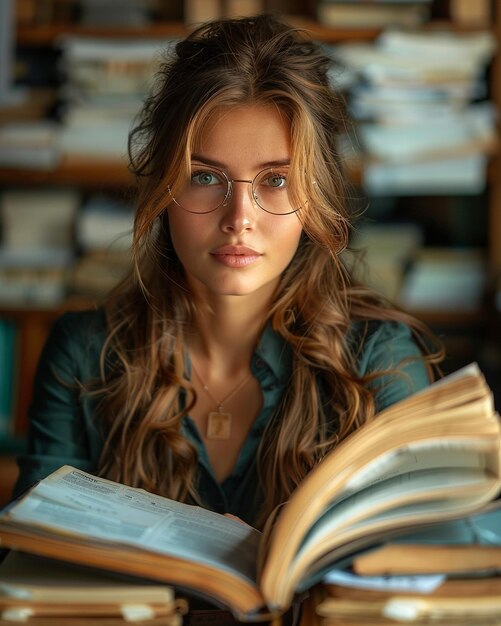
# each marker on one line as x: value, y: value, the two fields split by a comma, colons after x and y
x: 450, y: 573
x: 380, y: 254
x: 106, y: 81
x: 47, y: 593
x: 445, y: 279
x: 30, y: 145
x: 104, y: 238
x: 391, y: 258
x: 37, y: 245
x: 422, y: 117
x: 433, y: 457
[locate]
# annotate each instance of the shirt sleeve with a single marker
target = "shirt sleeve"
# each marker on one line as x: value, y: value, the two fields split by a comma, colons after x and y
x: 61, y: 428
x: 392, y: 347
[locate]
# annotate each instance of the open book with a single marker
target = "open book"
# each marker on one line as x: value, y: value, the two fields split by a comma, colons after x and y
x: 433, y: 456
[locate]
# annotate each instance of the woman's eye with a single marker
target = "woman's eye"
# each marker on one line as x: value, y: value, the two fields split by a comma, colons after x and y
x: 204, y: 178
x: 277, y: 181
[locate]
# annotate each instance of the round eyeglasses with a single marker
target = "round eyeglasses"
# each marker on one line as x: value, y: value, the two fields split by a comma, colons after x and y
x: 209, y: 188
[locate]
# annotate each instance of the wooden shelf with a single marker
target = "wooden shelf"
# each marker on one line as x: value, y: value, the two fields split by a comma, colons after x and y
x: 83, y: 172
x: 20, y: 312
x: 330, y: 35
x: 35, y: 105
x: 48, y: 34
x: 42, y: 35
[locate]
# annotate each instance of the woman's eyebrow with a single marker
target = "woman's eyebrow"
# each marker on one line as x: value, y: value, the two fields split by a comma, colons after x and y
x: 215, y: 163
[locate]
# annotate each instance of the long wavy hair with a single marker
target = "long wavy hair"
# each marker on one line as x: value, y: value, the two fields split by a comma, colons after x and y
x: 144, y: 393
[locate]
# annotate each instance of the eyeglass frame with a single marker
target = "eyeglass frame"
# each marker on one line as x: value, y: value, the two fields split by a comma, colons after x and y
x: 229, y: 191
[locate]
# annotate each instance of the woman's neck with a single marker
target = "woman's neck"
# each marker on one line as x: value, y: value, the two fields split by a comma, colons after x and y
x: 225, y: 334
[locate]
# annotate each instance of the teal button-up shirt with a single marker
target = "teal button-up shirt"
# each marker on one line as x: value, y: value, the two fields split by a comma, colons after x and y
x: 63, y: 427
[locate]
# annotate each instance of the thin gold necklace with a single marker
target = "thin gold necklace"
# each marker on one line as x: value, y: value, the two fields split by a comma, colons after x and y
x: 219, y: 422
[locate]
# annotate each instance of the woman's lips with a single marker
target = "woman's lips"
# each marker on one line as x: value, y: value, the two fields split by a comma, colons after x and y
x: 235, y: 256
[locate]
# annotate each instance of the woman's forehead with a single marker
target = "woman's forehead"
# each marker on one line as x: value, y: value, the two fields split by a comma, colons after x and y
x: 254, y: 134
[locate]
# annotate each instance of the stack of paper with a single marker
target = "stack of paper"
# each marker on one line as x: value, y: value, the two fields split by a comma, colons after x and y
x: 106, y: 83
x: 104, y: 236
x: 447, y: 573
x: 37, y: 245
x: 380, y: 253
x: 423, y: 120
x: 30, y: 145
x: 104, y: 223
x: 442, y: 279
x: 40, y: 591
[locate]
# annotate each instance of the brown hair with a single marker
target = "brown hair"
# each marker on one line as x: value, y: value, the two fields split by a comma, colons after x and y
x: 145, y: 394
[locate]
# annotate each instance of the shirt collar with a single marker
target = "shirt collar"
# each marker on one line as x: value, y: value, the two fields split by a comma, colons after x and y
x: 275, y: 352
x: 272, y: 349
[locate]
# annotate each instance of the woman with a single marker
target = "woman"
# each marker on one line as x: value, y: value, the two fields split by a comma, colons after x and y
x: 239, y: 351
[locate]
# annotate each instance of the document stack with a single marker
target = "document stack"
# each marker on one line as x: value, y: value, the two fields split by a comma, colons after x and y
x: 422, y: 117
x: 448, y: 573
x: 104, y: 238
x: 106, y: 81
x: 49, y: 593
x: 37, y: 245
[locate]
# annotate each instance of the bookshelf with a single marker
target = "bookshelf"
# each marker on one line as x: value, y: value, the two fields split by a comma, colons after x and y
x: 112, y: 175
x: 80, y: 172
x: 46, y: 34
x: 33, y: 326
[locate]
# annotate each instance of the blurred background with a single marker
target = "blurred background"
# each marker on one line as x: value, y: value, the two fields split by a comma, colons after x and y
x: 422, y: 80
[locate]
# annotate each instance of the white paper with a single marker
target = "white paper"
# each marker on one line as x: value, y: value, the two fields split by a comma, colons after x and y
x: 415, y: 584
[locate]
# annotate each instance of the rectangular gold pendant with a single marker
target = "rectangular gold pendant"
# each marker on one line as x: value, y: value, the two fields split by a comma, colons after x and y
x: 218, y: 425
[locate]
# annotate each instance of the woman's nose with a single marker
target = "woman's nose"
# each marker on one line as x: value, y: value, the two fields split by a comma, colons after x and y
x: 239, y: 210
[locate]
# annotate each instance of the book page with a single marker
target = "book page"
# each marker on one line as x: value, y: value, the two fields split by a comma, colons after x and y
x: 420, y: 455
x: 403, y: 489
x: 385, y: 526
x: 415, y: 584
x: 458, y: 410
x: 402, y: 500
x: 76, y: 503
